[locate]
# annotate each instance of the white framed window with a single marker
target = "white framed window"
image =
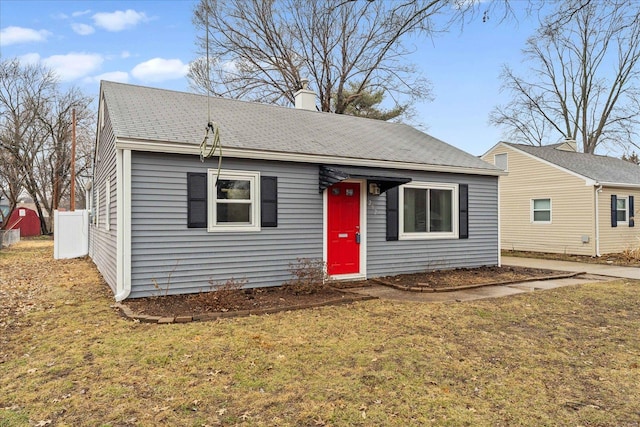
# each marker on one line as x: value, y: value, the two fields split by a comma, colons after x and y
x: 234, y: 200
x: 428, y: 211
x: 107, y: 205
x: 622, y: 209
x: 501, y: 161
x: 541, y: 211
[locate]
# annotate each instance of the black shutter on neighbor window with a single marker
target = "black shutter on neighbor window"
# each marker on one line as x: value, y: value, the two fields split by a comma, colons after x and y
x: 631, y: 212
x: 392, y: 213
x: 463, y: 219
x: 614, y: 210
x: 196, y: 200
x: 269, y: 201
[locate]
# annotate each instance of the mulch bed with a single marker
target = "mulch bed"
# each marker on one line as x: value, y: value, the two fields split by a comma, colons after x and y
x: 243, y: 302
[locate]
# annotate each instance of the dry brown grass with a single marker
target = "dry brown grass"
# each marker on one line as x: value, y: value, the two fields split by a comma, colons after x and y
x: 562, y: 357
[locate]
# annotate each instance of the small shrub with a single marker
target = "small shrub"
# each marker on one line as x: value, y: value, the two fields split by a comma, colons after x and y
x: 309, y: 276
x: 632, y: 254
x: 223, y: 294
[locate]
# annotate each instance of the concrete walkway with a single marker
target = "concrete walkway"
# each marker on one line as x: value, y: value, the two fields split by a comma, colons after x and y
x: 593, y: 273
x: 599, y: 269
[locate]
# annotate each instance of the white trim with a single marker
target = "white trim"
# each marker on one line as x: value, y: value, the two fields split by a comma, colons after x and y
x: 251, y: 176
x: 626, y: 209
x: 499, y: 227
x: 183, y: 148
x: 430, y: 235
x: 598, y: 190
x: 532, y: 211
x: 123, y: 220
x: 618, y: 185
x: 362, y: 274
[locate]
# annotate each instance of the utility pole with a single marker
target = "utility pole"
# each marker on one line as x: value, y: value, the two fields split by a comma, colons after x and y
x: 73, y: 160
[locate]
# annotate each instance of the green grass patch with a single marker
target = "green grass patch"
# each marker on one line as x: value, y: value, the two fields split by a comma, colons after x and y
x: 568, y: 356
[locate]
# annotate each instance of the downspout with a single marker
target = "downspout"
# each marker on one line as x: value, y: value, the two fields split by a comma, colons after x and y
x: 123, y: 215
x: 597, y: 191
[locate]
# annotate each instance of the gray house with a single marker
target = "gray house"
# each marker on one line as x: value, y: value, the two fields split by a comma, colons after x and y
x: 367, y: 197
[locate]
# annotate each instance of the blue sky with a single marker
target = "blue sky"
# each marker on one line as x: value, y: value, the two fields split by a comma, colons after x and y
x: 152, y: 42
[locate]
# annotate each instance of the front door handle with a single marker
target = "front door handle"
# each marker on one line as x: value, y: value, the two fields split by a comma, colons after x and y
x: 358, y: 237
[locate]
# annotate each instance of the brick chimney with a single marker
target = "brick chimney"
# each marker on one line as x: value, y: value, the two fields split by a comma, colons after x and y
x: 305, y: 99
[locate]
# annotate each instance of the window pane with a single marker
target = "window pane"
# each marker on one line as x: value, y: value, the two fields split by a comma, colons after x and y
x: 234, y: 189
x: 621, y: 204
x: 621, y: 216
x: 542, y: 216
x: 415, y: 210
x: 233, y: 212
x: 440, y: 210
x: 544, y: 204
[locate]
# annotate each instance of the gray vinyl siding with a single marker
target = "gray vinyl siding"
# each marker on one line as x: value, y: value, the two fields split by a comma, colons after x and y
x: 102, y: 243
x: 410, y: 256
x: 166, y: 256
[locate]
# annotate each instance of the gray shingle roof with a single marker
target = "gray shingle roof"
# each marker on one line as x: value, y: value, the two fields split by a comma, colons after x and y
x: 167, y: 116
x: 599, y: 168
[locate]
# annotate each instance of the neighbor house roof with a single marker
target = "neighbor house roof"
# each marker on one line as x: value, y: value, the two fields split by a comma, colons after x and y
x: 602, y: 169
x: 144, y: 117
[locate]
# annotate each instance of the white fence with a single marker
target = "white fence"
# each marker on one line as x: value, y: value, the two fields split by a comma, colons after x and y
x: 9, y: 237
x: 71, y: 234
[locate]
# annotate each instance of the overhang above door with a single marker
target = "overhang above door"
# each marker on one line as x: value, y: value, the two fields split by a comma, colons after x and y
x: 329, y: 175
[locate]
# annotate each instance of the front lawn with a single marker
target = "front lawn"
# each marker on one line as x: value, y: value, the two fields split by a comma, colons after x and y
x: 568, y: 356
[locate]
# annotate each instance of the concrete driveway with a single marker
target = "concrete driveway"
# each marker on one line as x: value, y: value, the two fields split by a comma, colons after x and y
x: 593, y: 273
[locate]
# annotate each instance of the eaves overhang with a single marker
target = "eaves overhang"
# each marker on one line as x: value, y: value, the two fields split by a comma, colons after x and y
x: 169, y: 147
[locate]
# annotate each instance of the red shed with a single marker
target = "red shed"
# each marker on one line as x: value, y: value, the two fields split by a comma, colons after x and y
x: 26, y: 220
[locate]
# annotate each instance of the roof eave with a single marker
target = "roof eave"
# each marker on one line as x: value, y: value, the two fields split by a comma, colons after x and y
x: 618, y: 184
x: 191, y: 149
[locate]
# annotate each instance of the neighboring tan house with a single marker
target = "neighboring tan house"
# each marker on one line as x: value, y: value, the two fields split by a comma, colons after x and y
x: 367, y: 197
x: 555, y: 199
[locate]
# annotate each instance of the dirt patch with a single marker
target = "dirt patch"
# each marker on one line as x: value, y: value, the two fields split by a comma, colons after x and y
x: 268, y: 300
x: 628, y: 258
x: 462, y: 278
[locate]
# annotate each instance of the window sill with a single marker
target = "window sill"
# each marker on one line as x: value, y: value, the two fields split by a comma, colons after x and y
x: 427, y: 236
x: 233, y: 228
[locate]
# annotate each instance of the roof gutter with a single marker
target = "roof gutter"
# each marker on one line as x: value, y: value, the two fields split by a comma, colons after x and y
x: 617, y: 184
x: 239, y: 153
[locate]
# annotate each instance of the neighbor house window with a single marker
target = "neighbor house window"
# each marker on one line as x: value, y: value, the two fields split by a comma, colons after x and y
x: 501, y: 161
x: 234, y: 200
x: 429, y: 210
x: 541, y: 211
x: 621, y: 209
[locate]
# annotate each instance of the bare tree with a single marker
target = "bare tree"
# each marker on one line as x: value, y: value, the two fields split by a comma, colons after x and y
x: 35, y: 133
x: 261, y: 50
x: 583, y: 83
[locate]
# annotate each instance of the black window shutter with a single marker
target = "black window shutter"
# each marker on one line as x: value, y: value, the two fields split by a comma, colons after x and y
x: 269, y: 201
x: 463, y: 193
x: 614, y: 210
x: 631, y: 212
x: 196, y: 200
x: 392, y: 213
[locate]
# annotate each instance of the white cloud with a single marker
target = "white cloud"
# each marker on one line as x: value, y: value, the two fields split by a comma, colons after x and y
x: 82, y: 29
x: 16, y: 35
x: 73, y: 65
x: 119, y: 20
x: 80, y: 13
x: 125, y: 54
x: 112, y: 76
x: 29, y: 58
x: 159, y: 69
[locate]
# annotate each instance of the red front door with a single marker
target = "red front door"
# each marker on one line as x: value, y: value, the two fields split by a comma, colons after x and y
x: 343, y: 227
